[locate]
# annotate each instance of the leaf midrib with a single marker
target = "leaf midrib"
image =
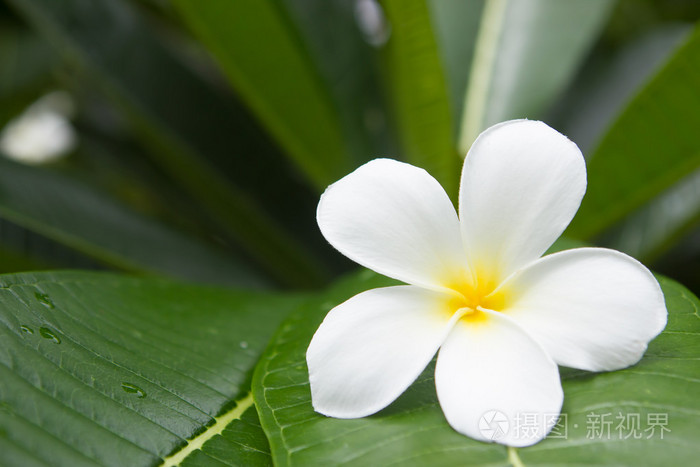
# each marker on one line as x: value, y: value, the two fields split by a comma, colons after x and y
x: 216, y: 429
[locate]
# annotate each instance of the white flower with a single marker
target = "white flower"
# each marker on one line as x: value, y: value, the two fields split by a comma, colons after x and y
x: 502, y: 317
x: 42, y: 133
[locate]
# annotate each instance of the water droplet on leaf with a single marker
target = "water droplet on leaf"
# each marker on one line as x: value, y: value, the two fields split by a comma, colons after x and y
x: 44, y: 299
x: 26, y: 329
x: 133, y: 389
x: 47, y: 333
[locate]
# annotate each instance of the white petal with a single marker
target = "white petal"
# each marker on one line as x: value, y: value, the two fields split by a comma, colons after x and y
x: 491, y: 375
x: 369, y: 349
x: 590, y: 308
x: 395, y: 219
x: 522, y: 183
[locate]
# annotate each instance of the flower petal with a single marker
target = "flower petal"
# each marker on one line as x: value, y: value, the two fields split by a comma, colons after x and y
x: 522, y: 183
x: 496, y: 384
x: 369, y: 349
x: 395, y: 219
x: 590, y: 308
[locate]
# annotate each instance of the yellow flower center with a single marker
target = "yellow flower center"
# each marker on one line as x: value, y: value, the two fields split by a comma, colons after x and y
x: 471, y: 298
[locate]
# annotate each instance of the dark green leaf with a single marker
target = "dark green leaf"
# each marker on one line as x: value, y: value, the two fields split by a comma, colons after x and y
x: 413, y: 429
x: 101, y: 369
x: 650, y: 147
x: 275, y: 77
x: 418, y: 91
x: 347, y: 63
x: 74, y: 215
x: 24, y: 250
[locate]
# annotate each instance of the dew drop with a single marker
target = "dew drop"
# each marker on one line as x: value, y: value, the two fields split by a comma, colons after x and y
x: 244, y: 344
x: 26, y: 329
x: 44, y: 299
x: 133, y: 389
x: 47, y: 333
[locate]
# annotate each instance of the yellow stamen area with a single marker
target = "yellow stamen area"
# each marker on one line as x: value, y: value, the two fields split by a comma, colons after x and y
x: 471, y: 297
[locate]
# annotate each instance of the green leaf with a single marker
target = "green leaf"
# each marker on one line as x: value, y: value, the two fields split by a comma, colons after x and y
x: 526, y: 53
x: 190, y: 129
x: 652, y: 230
x: 417, y: 88
x: 413, y: 429
x: 651, y: 146
x: 276, y: 78
x: 74, y: 215
x: 102, y: 369
x: 609, y: 80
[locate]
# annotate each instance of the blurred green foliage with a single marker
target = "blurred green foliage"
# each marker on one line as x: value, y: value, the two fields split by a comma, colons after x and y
x: 219, y: 123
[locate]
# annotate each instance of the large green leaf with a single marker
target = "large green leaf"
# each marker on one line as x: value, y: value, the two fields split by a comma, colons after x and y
x: 102, y: 369
x: 417, y: 88
x: 194, y: 133
x: 651, y: 146
x: 526, y: 53
x: 413, y: 429
x: 268, y: 64
x: 63, y: 210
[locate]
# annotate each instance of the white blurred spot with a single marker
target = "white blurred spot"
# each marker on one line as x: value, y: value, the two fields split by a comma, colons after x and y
x: 43, y: 133
x: 370, y: 18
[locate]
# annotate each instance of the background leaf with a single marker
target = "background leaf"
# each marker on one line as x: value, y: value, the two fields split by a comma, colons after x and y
x: 526, y: 53
x: 456, y: 25
x: 61, y: 209
x: 652, y: 230
x: 413, y: 429
x: 347, y: 63
x: 276, y: 79
x: 610, y: 79
x: 417, y: 89
x: 99, y: 369
x: 665, y: 148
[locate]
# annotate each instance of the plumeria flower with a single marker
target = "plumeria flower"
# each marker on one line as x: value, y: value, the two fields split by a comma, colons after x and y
x: 501, y: 316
